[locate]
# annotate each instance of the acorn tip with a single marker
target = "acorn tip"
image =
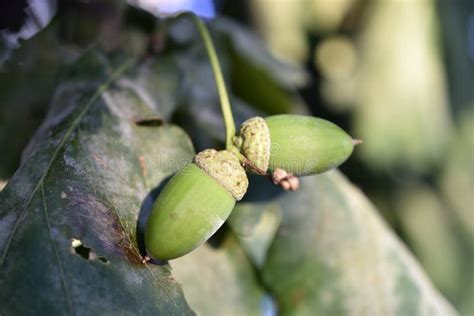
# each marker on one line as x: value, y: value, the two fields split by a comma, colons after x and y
x: 356, y: 142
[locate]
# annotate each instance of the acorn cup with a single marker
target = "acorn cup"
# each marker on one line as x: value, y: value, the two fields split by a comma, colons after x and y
x: 194, y: 204
x: 300, y: 145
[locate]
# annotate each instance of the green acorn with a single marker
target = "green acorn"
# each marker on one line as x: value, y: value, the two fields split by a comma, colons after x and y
x: 194, y: 204
x: 301, y: 145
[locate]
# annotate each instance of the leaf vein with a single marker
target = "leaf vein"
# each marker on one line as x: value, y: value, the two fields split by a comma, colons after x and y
x: 56, y: 253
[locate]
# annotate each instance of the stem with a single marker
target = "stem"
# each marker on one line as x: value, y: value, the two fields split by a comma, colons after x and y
x: 220, y: 84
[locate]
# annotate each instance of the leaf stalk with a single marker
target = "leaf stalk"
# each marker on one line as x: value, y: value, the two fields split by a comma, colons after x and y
x: 218, y: 77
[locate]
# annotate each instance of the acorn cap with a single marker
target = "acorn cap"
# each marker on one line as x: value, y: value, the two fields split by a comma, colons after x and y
x: 254, y: 142
x: 225, y: 168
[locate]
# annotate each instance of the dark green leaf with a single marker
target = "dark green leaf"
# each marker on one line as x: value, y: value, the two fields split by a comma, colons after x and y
x: 27, y: 80
x: 68, y: 235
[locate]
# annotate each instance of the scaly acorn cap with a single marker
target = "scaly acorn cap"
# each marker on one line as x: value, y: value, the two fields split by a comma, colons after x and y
x: 254, y: 142
x: 225, y: 168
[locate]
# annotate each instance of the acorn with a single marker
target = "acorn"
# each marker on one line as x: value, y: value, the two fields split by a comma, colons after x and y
x: 300, y: 145
x: 194, y: 204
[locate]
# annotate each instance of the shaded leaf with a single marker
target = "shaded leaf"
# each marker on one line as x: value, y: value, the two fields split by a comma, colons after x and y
x: 68, y: 235
x: 255, y: 226
x: 333, y: 255
x: 457, y: 176
x: 456, y: 29
x: 257, y: 87
x: 218, y: 279
x: 248, y: 46
x: 256, y: 219
x: 27, y: 80
x: 456, y: 183
x: 429, y: 230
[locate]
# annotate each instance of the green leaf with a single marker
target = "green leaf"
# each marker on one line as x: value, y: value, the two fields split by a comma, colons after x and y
x: 333, y: 255
x: 255, y: 226
x: 256, y: 219
x: 426, y: 222
x: 456, y: 183
x: 218, y: 279
x: 457, y: 176
x: 68, y: 234
x: 256, y: 87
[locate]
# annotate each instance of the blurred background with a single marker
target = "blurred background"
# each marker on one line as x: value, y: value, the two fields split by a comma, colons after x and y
x: 398, y: 74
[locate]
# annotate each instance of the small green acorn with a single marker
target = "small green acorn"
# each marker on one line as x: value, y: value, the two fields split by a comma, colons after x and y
x: 301, y: 145
x: 194, y: 204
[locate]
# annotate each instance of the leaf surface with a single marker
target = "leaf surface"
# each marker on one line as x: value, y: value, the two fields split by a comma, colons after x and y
x: 218, y: 279
x: 333, y: 255
x: 68, y: 235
